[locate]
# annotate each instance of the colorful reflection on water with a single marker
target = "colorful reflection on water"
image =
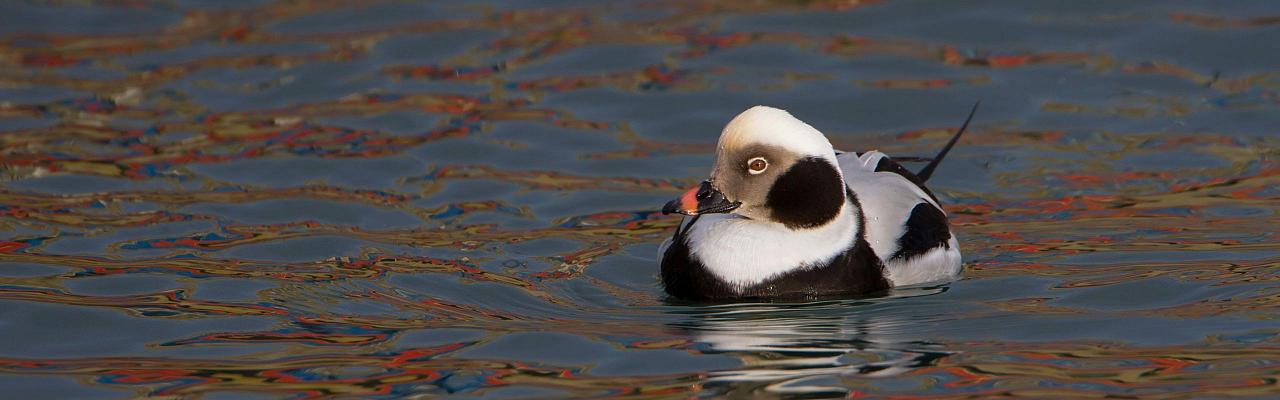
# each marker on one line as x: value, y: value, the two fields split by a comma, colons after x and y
x: 314, y: 198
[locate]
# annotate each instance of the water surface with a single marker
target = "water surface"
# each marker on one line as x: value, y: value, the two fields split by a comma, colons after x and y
x: 307, y: 199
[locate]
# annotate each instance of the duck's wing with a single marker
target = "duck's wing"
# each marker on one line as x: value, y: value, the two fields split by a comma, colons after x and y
x: 855, y: 164
x: 904, y: 224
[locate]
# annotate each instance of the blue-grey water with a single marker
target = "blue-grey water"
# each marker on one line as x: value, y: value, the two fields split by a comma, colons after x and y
x: 382, y: 199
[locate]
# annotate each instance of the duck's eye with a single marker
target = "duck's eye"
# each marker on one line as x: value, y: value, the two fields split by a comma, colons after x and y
x: 757, y: 165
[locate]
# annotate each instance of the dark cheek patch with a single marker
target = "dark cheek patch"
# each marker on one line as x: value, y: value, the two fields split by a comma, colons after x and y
x: 807, y: 195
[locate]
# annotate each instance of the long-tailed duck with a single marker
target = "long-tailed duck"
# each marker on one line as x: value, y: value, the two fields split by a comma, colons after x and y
x: 786, y: 215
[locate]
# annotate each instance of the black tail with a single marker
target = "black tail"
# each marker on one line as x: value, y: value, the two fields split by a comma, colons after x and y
x: 925, y: 173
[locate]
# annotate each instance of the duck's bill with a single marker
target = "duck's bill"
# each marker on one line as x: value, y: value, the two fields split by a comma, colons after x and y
x: 704, y: 199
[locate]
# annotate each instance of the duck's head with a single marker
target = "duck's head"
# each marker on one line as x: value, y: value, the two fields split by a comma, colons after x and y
x: 771, y: 167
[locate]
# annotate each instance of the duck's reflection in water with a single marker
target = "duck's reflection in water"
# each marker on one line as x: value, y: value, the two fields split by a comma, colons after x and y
x: 812, y: 347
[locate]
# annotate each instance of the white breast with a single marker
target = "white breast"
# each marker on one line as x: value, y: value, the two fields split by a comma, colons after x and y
x: 745, y: 252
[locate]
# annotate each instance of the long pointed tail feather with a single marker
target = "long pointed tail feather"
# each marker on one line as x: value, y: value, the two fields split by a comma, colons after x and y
x: 927, y: 171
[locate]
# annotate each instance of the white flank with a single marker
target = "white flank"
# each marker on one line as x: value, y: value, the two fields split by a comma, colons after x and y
x: 937, y: 265
x: 887, y: 199
x: 744, y: 252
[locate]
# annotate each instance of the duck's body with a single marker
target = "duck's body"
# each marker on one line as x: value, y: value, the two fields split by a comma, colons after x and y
x: 821, y: 223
